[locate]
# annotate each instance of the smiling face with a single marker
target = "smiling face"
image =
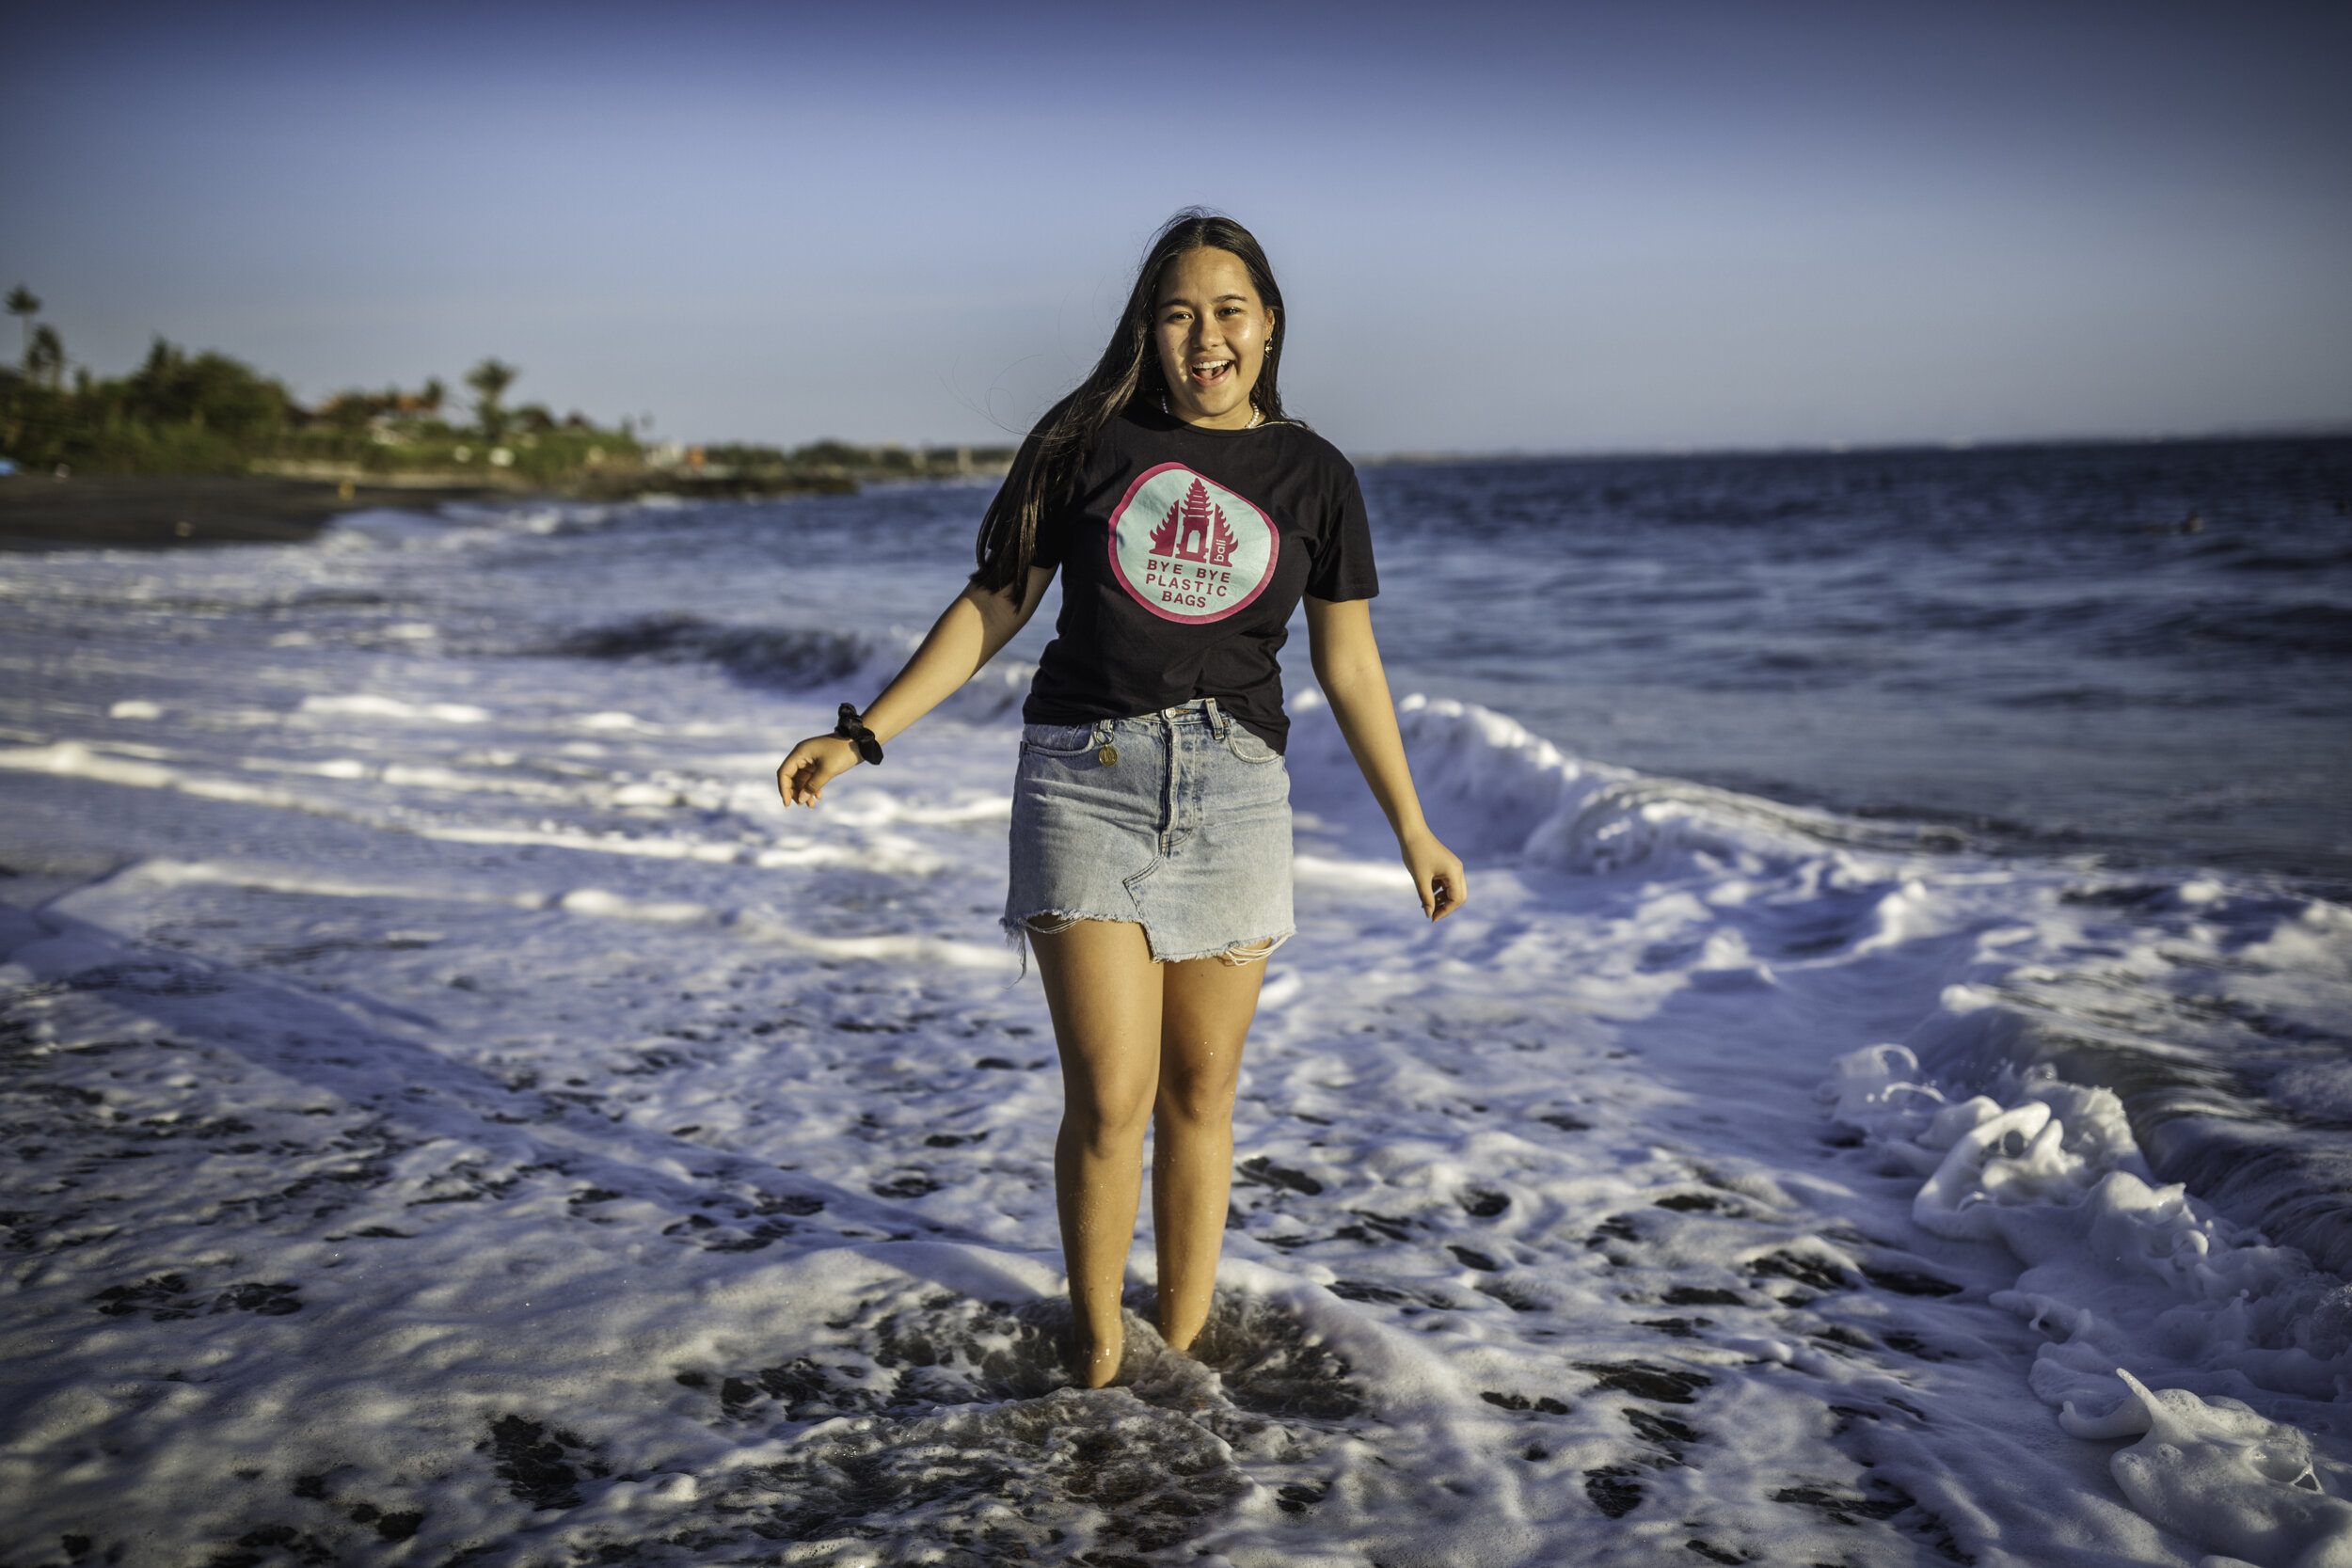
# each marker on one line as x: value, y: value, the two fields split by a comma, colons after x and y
x: 1212, y: 331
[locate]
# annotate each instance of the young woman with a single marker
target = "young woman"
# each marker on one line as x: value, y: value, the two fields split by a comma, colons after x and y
x: 1151, y: 821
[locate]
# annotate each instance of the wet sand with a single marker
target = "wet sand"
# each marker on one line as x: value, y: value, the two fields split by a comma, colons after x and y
x: 143, y: 512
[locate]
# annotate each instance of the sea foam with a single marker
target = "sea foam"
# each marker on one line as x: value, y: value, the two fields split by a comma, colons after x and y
x: 2127, y: 1274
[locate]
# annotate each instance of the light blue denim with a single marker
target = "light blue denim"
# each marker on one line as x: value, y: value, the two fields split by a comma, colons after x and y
x: 1187, y: 833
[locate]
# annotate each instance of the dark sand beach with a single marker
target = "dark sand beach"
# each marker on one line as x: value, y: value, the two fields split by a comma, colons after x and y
x: 148, y: 511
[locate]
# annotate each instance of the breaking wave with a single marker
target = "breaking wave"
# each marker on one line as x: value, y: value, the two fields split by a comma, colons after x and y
x: 1507, y: 793
x: 783, y: 658
x: 798, y: 659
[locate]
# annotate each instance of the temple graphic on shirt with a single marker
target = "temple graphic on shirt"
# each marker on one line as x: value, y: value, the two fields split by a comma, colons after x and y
x: 1195, y: 530
x: 1188, y: 548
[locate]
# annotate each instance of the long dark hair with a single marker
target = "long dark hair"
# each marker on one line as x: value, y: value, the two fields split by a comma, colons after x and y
x: 1050, y: 460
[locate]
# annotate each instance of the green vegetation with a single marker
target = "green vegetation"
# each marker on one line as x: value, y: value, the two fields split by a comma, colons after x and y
x: 209, y: 414
x: 489, y: 381
x: 736, y: 470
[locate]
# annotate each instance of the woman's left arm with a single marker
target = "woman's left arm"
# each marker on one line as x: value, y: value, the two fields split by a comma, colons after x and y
x: 1347, y: 662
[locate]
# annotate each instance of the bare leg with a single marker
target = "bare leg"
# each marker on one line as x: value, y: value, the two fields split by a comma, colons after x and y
x: 1103, y: 992
x: 1207, y: 1007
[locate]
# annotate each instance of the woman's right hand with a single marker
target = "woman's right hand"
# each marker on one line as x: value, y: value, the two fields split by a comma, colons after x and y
x: 815, y: 763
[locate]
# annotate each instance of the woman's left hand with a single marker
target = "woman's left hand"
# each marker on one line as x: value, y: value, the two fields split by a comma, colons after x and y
x: 1436, y: 872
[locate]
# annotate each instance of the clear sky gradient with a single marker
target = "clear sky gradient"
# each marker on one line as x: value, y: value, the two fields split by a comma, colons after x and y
x: 1536, y: 228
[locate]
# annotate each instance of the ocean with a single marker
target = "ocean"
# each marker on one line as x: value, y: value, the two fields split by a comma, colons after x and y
x: 1888, y: 1100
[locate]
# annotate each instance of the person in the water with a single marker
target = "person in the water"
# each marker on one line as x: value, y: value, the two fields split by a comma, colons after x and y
x: 1151, y: 826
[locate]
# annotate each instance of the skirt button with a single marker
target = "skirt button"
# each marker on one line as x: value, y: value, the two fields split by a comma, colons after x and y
x: 1107, y: 755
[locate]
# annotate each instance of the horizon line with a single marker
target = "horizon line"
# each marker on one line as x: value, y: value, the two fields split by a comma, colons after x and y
x: 2301, y: 430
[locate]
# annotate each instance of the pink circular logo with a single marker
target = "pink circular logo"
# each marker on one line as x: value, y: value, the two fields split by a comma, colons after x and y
x: 1188, y: 548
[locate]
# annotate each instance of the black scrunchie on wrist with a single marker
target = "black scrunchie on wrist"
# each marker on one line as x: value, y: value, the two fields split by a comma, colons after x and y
x: 853, y: 729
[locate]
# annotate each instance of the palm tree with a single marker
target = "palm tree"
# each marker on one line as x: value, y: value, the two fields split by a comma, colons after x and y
x: 23, y: 303
x: 44, y: 357
x: 489, y: 381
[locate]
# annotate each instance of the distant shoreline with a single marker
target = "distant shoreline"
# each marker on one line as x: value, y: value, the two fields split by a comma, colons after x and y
x: 151, y: 512
x: 158, y: 512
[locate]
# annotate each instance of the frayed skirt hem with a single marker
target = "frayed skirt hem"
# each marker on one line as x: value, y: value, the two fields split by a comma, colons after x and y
x: 1046, y: 923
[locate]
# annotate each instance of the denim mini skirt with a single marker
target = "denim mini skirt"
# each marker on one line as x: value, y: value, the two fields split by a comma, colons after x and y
x: 1178, y: 820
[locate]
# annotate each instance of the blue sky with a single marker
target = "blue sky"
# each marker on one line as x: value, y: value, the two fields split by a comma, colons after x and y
x: 1563, y: 227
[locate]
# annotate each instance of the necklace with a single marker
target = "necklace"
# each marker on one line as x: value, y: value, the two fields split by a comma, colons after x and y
x: 1257, y: 415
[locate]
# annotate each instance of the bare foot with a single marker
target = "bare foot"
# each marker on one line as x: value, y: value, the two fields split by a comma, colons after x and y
x: 1099, y: 1364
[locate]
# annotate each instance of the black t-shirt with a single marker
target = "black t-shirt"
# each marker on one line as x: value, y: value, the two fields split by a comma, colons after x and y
x: 1183, y: 553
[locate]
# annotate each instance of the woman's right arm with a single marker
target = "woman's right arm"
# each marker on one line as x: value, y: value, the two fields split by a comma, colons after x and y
x: 971, y: 632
